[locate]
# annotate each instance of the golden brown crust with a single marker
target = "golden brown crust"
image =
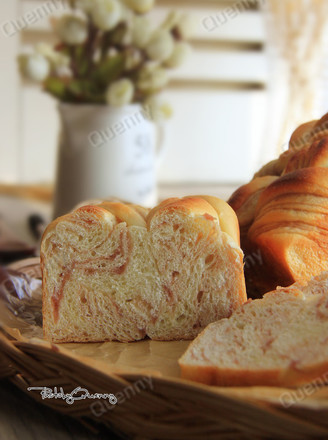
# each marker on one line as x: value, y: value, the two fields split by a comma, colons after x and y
x: 308, y: 133
x: 227, y: 217
x: 277, y: 166
x: 302, y: 135
x: 128, y: 213
x: 269, y: 211
x: 303, y: 181
x: 314, y: 155
x: 196, y: 205
x: 302, y: 138
x: 244, y: 199
x: 203, y: 205
x: 320, y: 130
x: 291, y: 227
x: 211, y: 375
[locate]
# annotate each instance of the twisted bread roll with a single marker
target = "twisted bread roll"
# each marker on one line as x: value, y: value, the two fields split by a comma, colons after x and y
x: 279, y: 340
x: 291, y: 225
x: 302, y: 138
x: 119, y: 272
x: 244, y: 201
x: 280, y: 216
x: 313, y: 155
x: 275, y: 167
x: 309, y: 132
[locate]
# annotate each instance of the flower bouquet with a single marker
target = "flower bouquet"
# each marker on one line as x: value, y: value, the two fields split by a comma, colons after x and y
x: 109, y: 52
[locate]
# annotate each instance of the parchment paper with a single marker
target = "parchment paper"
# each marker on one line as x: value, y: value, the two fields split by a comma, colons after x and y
x: 21, y: 317
x: 21, y: 309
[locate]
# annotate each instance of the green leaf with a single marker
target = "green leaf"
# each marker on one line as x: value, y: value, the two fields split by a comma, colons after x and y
x: 76, y: 87
x: 81, y: 61
x: 56, y: 87
x: 83, y: 90
x: 109, y: 70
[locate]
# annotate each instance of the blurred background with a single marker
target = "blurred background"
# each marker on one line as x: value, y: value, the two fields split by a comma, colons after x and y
x: 257, y: 70
x: 220, y: 129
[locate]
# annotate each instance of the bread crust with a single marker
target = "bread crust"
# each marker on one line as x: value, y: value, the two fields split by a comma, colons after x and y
x: 314, y: 155
x: 302, y: 135
x: 290, y: 227
x: 195, y: 204
x: 276, y: 166
x: 282, y: 213
x: 313, y: 181
x: 210, y: 375
x: 301, y: 140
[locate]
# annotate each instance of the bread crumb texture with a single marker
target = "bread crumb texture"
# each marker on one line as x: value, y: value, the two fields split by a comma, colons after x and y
x: 116, y: 271
x: 278, y: 340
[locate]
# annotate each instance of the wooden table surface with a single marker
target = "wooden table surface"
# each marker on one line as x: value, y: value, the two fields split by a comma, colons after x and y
x: 21, y: 418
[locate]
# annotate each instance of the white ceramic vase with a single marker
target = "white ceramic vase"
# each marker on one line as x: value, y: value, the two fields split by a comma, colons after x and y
x: 106, y: 152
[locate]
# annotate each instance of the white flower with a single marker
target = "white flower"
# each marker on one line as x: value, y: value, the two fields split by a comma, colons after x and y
x: 140, y: 6
x: 157, y: 108
x: 185, y: 26
x: 106, y: 14
x: 127, y: 17
x: 141, y: 31
x: 120, y: 92
x: 180, y: 52
x: 63, y: 71
x: 34, y: 67
x: 160, y: 46
x: 72, y: 29
x: 133, y: 58
x: 55, y: 58
x: 171, y: 20
x: 152, y: 78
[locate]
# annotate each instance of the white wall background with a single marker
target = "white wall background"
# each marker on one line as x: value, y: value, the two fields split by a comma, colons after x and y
x: 219, y: 99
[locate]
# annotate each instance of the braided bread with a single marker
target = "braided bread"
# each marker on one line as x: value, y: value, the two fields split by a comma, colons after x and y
x: 301, y: 140
x: 291, y: 226
x: 116, y: 271
x: 283, y: 217
x: 244, y: 201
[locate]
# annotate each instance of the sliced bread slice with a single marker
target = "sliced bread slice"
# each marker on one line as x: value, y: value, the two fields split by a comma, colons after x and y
x: 279, y: 340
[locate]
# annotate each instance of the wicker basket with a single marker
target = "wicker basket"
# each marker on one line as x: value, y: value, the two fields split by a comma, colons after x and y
x: 150, y: 404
